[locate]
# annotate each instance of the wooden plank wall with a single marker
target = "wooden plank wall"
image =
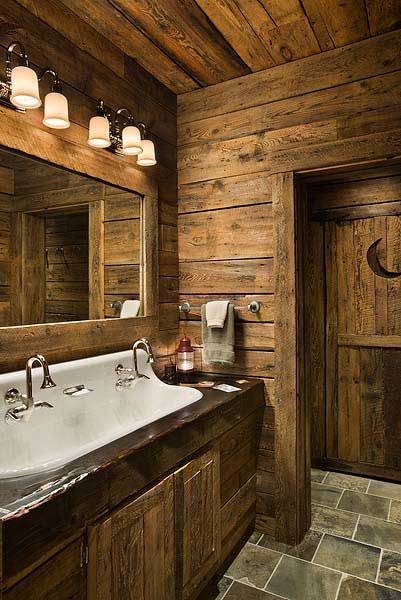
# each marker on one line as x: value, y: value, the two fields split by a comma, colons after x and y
x: 232, y: 136
x: 122, y: 248
x: 92, y: 67
x: 6, y: 193
x: 67, y: 293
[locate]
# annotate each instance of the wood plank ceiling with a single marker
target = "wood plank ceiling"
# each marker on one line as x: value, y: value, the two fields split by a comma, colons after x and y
x: 188, y: 44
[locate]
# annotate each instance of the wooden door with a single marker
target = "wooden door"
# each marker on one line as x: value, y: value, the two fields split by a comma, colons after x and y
x: 198, y: 536
x: 131, y: 552
x: 362, y: 344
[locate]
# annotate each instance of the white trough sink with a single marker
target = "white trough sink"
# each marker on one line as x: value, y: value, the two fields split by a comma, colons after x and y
x: 80, y: 424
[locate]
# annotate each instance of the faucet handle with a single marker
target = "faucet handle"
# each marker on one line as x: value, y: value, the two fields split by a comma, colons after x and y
x: 43, y: 404
x: 121, y: 369
x: 12, y: 396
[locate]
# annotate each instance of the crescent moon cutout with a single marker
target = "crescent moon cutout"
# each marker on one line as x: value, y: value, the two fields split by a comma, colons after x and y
x: 374, y: 263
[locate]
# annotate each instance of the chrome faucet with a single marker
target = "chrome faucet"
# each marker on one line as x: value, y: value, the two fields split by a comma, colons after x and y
x: 133, y: 373
x: 27, y: 406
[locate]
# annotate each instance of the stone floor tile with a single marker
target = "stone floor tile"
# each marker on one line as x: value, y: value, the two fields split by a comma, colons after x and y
x: 317, y: 475
x: 348, y: 556
x: 395, y: 511
x: 383, y: 488
x: 238, y: 591
x: 348, y: 482
x: 379, y: 533
x: 255, y: 537
x: 223, y: 586
x: 390, y: 569
x: 254, y: 565
x: 325, y: 494
x: 358, y: 589
x: 365, y: 504
x: 331, y: 520
x: 306, y: 549
x: 297, y: 579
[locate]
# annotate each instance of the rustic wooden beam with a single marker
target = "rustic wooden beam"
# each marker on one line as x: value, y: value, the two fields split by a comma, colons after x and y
x: 290, y: 452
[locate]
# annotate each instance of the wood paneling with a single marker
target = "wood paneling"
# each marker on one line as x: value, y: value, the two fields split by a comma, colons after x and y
x: 140, y: 536
x: 233, y: 137
x: 6, y: 180
x: 324, y: 71
x: 66, y: 578
x: 226, y: 234
x: 202, y: 42
x: 198, y: 533
x: 66, y: 289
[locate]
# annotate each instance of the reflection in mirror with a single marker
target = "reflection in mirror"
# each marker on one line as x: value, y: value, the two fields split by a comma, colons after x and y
x: 70, y: 246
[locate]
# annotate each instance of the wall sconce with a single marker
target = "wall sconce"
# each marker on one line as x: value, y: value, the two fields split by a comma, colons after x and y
x: 20, y: 90
x: 119, y: 133
x: 56, y: 104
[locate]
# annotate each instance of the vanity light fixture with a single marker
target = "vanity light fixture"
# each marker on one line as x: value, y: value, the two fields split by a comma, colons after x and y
x: 116, y: 131
x: 56, y: 104
x: 20, y: 90
x: 119, y: 133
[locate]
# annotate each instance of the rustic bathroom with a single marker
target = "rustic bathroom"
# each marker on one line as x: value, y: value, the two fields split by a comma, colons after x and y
x: 200, y: 300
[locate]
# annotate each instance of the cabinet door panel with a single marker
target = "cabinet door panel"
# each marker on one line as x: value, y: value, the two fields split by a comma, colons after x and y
x: 62, y: 577
x: 197, y: 487
x: 131, y: 552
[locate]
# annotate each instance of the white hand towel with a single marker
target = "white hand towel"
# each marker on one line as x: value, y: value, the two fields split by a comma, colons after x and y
x: 130, y: 308
x: 216, y: 313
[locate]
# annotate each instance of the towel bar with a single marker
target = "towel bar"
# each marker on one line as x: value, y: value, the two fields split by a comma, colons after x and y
x: 253, y: 307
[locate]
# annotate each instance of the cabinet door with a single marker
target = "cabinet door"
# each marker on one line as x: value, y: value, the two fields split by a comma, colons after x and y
x: 131, y: 552
x: 198, y: 537
x: 62, y: 577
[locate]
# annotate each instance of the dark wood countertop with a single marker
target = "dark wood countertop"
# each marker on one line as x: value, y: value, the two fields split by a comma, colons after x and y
x: 38, y: 511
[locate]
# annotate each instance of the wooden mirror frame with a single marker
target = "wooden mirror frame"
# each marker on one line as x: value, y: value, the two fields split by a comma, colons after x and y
x: 67, y: 341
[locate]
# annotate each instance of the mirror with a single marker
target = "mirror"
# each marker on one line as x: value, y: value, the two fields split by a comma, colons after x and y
x: 70, y: 246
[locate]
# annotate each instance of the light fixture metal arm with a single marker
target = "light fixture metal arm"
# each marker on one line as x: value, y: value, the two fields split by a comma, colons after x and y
x: 22, y: 55
x: 56, y: 85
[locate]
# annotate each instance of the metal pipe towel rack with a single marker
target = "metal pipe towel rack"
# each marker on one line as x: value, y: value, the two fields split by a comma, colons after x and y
x: 253, y: 307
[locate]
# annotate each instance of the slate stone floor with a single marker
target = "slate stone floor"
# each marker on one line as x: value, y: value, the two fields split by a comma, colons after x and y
x: 352, y: 551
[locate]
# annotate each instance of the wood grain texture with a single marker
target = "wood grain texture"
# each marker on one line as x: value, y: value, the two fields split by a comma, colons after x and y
x: 232, y: 140
x: 140, y: 535
x: 362, y: 322
x: 199, y: 42
x: 65, y: 579
x: 290, y: 490
x: 356, y: 62
x: 197, y: 494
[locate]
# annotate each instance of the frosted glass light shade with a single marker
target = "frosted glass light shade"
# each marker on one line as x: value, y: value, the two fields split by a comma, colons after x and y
x: 56, y: 111
x: 25, y: 88
x: 131, y: 137
x: 147, y: 157
x: 99, y: 132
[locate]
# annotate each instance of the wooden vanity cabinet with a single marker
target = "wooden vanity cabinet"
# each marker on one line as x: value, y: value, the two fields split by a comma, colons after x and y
x: 198, y: 535
x: 131, y: 551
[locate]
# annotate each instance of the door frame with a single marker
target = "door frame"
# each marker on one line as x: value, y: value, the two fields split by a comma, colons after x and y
x: 292, y: 423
